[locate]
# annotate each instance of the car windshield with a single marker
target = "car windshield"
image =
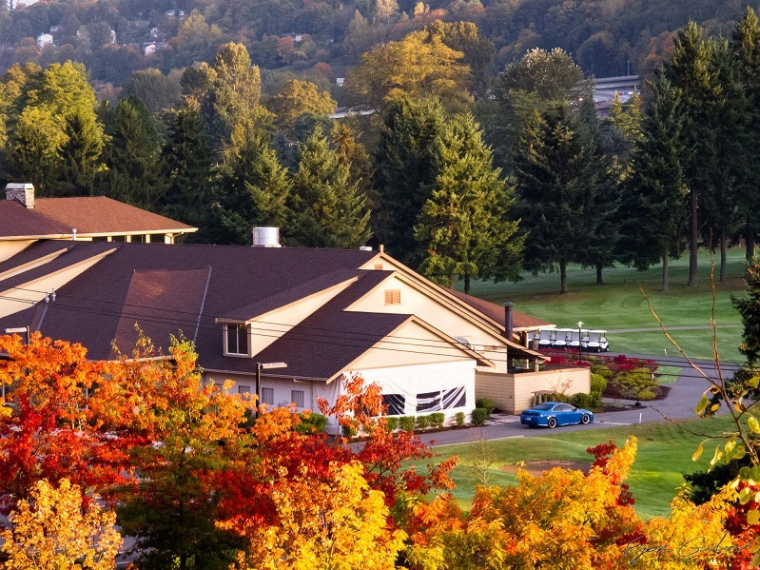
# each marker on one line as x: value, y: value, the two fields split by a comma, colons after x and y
x: 544, y: 407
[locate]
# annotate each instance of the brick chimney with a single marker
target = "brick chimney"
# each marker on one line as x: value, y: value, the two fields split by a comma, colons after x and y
x: 23, y: 193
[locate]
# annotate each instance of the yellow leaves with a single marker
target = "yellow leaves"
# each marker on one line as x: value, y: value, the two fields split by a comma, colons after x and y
x: 753, y: 424
x: 336, y: 523
x: 55, y: 530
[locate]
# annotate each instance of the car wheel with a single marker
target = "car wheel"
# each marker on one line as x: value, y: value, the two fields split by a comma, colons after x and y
x: 552, y: 423
x: 585, y: 419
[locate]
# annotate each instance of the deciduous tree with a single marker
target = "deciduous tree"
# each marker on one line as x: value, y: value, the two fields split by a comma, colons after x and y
x: 55, y: 528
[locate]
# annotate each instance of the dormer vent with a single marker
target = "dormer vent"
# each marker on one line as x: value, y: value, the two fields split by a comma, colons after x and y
x: 22, y: 193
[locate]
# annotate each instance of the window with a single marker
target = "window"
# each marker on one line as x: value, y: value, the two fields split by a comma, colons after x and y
x: 393, y: 296
x: 244, y: 389
x: 455, y: 398
x: 296, y: 397
x: 429, y: 402
x: 394, y: 404
x: 267, y: 396
x: 237, y: 339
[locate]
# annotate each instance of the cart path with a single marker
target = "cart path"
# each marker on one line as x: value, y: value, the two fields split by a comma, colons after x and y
x: 681, y: 328
x: 682, y: 398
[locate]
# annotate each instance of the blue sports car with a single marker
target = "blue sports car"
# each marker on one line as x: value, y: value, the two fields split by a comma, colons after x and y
x: 553, y: 414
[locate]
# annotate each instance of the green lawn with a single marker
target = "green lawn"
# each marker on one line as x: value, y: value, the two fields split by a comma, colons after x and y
x: 664, y: 454
x: 620, y: 305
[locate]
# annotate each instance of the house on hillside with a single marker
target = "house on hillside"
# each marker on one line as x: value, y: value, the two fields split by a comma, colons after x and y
x: 325, y: 314
x: 25, y: 220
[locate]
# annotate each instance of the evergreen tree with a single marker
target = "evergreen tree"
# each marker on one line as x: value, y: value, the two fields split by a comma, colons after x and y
x: 603, y: 203
x: 749, y: 308
x: 187, y: 163
x: 81, y: 154
x: 730, y: 137
x: 133, y: 157
x: 689, y: 70
x: 463, y: 229
x: 253, y: 190
x: 405, y: 171
x: 746, y: 50
x: 655, y: 224
x: 557, y: 181
x: 328, y: 208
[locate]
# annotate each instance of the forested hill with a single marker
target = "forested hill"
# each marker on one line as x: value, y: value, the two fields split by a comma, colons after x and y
x: 115, y: 37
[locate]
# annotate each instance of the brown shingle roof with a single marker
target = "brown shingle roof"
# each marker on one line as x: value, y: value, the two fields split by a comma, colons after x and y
x: 57, y: 217
x: 496, y: 312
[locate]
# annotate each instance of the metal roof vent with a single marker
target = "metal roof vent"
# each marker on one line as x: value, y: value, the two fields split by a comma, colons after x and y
x: 266, y: 237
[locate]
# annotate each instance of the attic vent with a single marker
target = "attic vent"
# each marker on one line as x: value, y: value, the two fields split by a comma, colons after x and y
x: 378, y: 266
x: 393, y: 296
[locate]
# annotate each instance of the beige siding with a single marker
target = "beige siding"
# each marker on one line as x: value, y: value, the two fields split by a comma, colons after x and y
x: 10, y: 248
x: 408, y: 345
x: 513, y: 393
x: 434, y: 312
x: 269, y: 327
x: 282, y: 388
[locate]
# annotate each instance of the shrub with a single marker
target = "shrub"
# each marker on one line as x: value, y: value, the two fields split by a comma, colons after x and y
x: 596, y: 400
x: 487, y: 404
x: 311, y: 423
x: 479, y: 416
x: 407, y: 423
x: 349, y: 431
x: 637, y: 384
x: 437, y: 419
x: 391, y: 423
x: 423, y: 422
x: 581, y: 400
x: 598, y: 383
x: 459, y: 419
x: 601, y: 370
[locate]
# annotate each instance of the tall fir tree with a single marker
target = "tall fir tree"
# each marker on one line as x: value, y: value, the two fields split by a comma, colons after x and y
x: 133, y: 157
x: 655, y: 226
x: 329, y: 210
x: 81, y: 154
x: 187, y: 164
x: 720, y: 205
x: 745, y: 45
x: 557, y: 182
x: 464, y: 229
x: 253, y: 189
x: 689, y: 70
x: 405, y: 171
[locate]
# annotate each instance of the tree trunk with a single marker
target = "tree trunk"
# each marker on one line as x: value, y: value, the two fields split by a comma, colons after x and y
x: 723, y: 254
x: 467, y: 283
x: 562, y: 276
x: 749, y: 242
x: 665, y: 274
x: 599, y: 279
x: 693, y: 281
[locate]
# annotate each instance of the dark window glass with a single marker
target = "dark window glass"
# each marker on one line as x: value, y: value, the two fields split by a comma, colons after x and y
x: 296, y: 397
x: 394, y: 404
x: 237, y: 339
x: 455, y: 398
x: 429, y: 402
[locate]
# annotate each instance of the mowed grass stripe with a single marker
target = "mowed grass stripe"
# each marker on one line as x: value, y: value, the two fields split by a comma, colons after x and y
x: 664, y: 454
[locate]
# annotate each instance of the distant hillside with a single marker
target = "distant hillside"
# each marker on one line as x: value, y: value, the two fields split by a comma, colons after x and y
x: 115, y: 37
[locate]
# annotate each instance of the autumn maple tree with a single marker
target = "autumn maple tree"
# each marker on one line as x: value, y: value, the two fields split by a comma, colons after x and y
x: 55, y: 529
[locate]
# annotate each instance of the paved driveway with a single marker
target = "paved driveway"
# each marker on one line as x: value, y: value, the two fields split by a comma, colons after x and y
x: 679, y: 404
